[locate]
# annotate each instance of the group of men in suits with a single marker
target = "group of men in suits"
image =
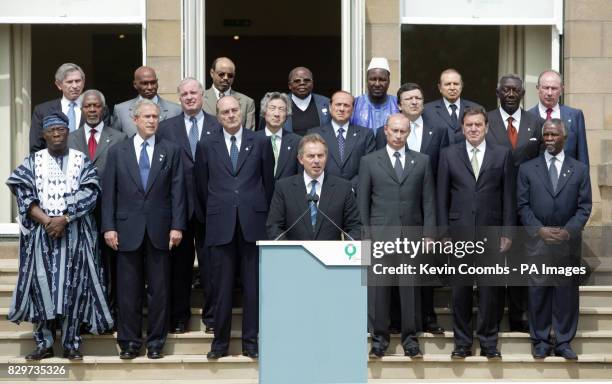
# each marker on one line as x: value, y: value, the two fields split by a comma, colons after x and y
x: 189, y: 165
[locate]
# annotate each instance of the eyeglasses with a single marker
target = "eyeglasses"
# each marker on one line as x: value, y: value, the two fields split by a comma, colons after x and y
x: 229, y: 75
x: 299, y: 81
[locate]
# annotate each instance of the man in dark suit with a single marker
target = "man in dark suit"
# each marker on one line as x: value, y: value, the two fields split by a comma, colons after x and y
x: 94, y: 138
x: 550, y: 88
x: 447, y: 112
x: 475, y: 194
x: 520, y: 131
x: 143, y: 216
x: 290, y: 202
x: 554, y: 204
x: 275, y: 109
x: 347, y: 143
x: 234, y: 180
x: 186, y: 130
x: 146, y: 84
x: 396, y: 189
x: 427, y: 138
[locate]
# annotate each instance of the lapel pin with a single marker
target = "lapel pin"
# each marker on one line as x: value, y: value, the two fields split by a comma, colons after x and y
x: 354, y: 133
x: 529, y: 129
x: 208, y: 132
x: 324, y: 110
x: 411, y: 161
x: 161, y: 157
x: 288, y: 148
x: 246, y: 149
x: 430, y: 133
x: 569, y: 120
x: 107, y: 140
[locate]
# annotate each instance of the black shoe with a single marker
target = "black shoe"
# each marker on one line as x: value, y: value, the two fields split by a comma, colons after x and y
x: 73, y: 354
x: 209, y: 329
x: 413, y: 352
x: 250, y: 353
x: 40, y: 353
x: 214, y: 355
x: 541, y: 353
x: 567, y: 353
x: 178, y: 327
x: 490, y: 352
x: 128, y: 354
x: 461, y: 352
x: 377, y: 352
x: 154, y: 354
x: 434, y: 328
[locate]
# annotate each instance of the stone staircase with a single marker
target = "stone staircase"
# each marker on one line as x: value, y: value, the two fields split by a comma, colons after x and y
x: 186, y: 361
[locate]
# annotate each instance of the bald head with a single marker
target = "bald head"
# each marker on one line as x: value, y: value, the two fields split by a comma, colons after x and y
x: 222, y: 73
x: 145, y: 82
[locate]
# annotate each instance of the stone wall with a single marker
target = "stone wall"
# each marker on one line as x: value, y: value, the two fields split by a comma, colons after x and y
x: 383, y: 33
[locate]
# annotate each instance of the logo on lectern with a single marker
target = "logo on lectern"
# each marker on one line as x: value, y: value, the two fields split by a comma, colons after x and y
x: 350, y: 250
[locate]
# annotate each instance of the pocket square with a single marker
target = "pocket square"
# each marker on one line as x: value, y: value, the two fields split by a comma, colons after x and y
x: 533, y: 139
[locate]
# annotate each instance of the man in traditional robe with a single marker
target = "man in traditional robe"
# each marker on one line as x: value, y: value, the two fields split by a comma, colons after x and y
x: 60, y: 280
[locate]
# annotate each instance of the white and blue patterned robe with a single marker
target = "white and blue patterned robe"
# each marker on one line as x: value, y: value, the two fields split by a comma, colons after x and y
x: 59, y: 278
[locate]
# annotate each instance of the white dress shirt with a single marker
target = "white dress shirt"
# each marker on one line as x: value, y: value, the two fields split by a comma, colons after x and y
x: 199, y: 121
x: 516, y: 116
x: 228, y: 140
x: 302, y: 104
x: 555, y: 114
x: 77, y: 109
x: 138, y: 147
x: 217, y: 92
x: 318, y: 186
x: 559, y: 163
x: 416, y: 129
x: 98, y: 133
x: 402, y: 152
x: 337, y: 126
x: 480, y: 154
x: 449, y: 109
x: 279, y: 134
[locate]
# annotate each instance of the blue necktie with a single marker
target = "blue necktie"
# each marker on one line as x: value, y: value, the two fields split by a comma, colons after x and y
x: 341, y: 143
x: 552, y: 172
x: 399, y: 170
x: 313, y: 205
x: 234, y: 153
x: 193, y: 135
x: 144, y: 165
x: 71, y: 117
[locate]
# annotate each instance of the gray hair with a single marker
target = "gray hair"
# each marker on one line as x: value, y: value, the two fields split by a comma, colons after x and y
x: 141, y: 103
x: 63, y: 70
x: 187, y: 80
x: 555, y: 122
x: 96, y: 93
x: 268, y: 97
x: 311, y: 138
x: 512, y: 76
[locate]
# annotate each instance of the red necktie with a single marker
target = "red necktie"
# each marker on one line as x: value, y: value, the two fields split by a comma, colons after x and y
x: 549, y: 113
x: 512, y: 134
x: 92, y: 144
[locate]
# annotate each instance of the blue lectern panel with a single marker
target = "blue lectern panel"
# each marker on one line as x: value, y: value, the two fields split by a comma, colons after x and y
x: 312, y: 320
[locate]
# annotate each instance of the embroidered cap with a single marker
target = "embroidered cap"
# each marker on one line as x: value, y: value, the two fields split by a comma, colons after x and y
x: 55, y: 120
x: 379, y: 62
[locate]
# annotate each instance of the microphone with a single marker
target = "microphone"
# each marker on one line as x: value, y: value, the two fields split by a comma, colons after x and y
x: 310, y: 198
x: 316, y: 199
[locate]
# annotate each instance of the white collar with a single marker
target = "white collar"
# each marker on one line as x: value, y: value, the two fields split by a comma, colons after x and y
x: 199, y: 116
x: 238, y: 134
x: 278, y: 133
x: 66, y: 103
x: 226, y: 93
x: 302, y: 104
x: 392, y: 151
x: 481, y: 147
x: 418, y: 122
x: 543, y: 108
x: 560, y: 156
x: 308, y: 179
x: 138, y: 140
x: 98, y: 128
x: 516, y: 115
x: 337, y: 126
x: 448, y: 103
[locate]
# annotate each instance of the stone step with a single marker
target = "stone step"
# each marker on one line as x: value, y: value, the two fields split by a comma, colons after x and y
x: 199, y: 343
x: 239, y: 369
x: 9, y: 249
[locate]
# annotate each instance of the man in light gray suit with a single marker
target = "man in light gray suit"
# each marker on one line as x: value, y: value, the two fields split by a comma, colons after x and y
x: 145, y: 82
x: 223, y: 73
x: 396, y: 190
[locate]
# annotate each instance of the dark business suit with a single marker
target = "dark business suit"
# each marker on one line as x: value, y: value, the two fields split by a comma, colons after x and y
x: 108, y: 137
x: 441, y: 118
x: 174, y: 130
x: 387, y: 203
x: 568, y: 207
x: 528, y: 146
x: 576, y: 141
x: 288, y: 164
x: 290, y: 202
x: 359, y: 142
x: 45, y: 109
x: 235, y: 203
x: 466, y: 207
x: 143, y: 218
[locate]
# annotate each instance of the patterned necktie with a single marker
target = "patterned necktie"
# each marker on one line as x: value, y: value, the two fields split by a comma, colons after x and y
x: 92, y: 144
x: 474, y: 161
x: 413, y: 143
x: 453, y: 115
x: 274, y: 150
x: 71, y: 116
x: 552, y: 172
x: 144, y: 165
x: 549, y: 113
x: 234, y: 153
x: 341, y: 143
x: 313, y: 205
x: 193, y: 135
x: 399, y: 170
x: 512, y: 134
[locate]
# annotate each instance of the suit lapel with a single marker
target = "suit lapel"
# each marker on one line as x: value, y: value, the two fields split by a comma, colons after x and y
x: 567, y: 170
x: 566, y: 117
x: 427, y: 134
x: 181, y: 132
x: 351, y: 139
x: 158, y: 158
x: 299, y: 195
x: 210, y: 99
x: 525, y: 129
x: 132, y: 163
x: 283, y: 154
x: 443, y: 113
x: 327, y: 194
x: 385, y: 163
x: 81, y: 142
x: 103, y: 144
x: 542, y: 169
x: 486, y: 160
x: 497, y: 126
x: 462, y: 153
x: 218, y: 143
x: 332, y: 143
x: 409, y: 164
x: 163, y: 108
x: 246, y: 147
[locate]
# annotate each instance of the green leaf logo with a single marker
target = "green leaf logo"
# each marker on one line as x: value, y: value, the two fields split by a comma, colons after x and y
x: 350, y: 250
